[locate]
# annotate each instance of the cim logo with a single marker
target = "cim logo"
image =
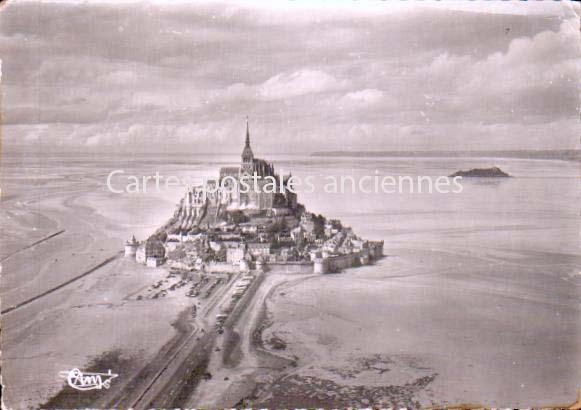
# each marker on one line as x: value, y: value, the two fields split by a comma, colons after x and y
x: 88, y: 381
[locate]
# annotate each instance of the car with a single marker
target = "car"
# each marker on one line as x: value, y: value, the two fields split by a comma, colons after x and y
x: 220, y: 317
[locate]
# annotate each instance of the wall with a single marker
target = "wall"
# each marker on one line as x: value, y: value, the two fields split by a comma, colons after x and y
x: 213, y: 267
x: 291, y: 267
x: 337, y: 263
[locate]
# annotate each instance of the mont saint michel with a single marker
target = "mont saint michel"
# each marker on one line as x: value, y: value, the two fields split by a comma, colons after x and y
x: 289, y: 204
x: 225, y: 225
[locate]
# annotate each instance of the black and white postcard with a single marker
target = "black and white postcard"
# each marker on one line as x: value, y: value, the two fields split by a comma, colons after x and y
x: 290, y: 204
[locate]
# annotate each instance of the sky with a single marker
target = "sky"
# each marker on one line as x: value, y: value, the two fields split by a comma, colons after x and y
x: 129, y: 76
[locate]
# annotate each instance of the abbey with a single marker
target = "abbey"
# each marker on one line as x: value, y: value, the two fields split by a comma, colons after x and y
x: 205, y: 203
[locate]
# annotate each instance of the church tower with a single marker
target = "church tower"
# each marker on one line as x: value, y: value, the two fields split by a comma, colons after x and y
x: 247, y: 155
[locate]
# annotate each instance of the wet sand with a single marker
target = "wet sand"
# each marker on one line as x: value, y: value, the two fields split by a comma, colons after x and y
x: 477, y: 301
x: 488, y: 340
x: 98, y: 313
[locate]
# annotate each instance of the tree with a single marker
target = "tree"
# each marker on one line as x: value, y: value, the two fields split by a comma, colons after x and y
x: 237, y: 217
x: 277, y: 226
x: 319, y: 222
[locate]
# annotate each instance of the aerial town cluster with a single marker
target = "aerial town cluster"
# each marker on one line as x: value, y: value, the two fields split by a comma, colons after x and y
x: 221, y: 227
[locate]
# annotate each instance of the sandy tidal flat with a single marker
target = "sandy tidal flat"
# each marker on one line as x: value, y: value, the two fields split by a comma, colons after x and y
x: 477, y: 300
x: 494, y: 342
x: 94, y: 315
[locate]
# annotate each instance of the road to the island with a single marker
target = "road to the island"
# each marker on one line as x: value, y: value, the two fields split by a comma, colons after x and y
x: 231, y: 383
x: 181, y: 385
x: 180, y: 364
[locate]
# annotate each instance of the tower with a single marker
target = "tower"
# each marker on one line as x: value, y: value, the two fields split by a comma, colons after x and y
x: 131, y: 247
x: 247, y: 155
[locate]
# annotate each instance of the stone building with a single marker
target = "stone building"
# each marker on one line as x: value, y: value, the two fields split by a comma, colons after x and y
x: 259, y: 249
x: 235, y: 253
x: 150, y: 253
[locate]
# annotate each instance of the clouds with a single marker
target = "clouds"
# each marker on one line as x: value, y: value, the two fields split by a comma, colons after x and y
x: 298, y: 83
x: 116, y: 75
x: 283, y: 86
x: 368, y: 96
x: 533, y: 80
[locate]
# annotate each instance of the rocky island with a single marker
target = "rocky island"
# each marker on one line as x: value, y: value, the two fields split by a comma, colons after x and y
x: 219, y: 226
x: 493, y: 172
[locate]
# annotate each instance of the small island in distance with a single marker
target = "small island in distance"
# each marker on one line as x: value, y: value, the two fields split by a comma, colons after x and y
x: 493, y: 172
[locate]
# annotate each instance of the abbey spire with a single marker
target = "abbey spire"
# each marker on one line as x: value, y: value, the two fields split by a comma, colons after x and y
x: 247, y: 134
x: 247, y: 154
